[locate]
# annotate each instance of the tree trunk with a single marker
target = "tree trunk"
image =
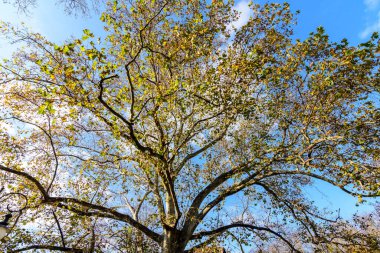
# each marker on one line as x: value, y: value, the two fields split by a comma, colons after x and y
x: 173, y: 243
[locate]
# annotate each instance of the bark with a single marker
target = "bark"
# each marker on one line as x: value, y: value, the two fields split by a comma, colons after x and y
x: 173, y: 242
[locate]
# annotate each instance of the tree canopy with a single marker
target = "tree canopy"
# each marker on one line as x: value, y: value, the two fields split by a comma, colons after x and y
x: 148, y: 133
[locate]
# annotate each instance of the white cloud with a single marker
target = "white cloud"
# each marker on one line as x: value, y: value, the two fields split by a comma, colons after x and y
x: 245, y: 13
x: 8, y: 128
x: 373, y: 20
x: 373, y: 27
x: 372, y: 4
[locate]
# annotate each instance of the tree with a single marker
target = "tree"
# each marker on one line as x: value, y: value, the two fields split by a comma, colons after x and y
x: 361, y: 234
x: 178, y: 113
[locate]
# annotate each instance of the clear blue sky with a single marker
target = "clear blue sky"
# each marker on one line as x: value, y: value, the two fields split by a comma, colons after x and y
x: 351, y: 19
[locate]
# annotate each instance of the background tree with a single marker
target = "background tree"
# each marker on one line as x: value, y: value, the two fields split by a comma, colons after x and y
x: 176, y: 112
x: 361, y: 234
x: 83, y: 7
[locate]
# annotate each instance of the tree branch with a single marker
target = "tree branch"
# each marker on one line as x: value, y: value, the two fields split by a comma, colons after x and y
x: 60, y: 229
x: 103, y: 212
x: 29, y: 177
x: 132, y: 136
x: 313, y: 175
x: 49, y: 136
x: 201, y: 150
x: 48, y: 247
x: 194, y: 207
x: 242, y: 225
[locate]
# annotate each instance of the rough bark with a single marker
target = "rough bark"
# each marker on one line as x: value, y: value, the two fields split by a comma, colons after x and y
x: 173, y: 242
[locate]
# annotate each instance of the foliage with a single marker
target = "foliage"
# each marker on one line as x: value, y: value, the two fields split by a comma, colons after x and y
x: 175, y: 111
x: 361, y: 234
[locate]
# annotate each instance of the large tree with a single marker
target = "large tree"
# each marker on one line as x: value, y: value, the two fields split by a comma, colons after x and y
x: 176, y: 114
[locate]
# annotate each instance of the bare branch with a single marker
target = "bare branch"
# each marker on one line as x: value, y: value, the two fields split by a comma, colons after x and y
x: 49, y: 247
x: 60, y: 229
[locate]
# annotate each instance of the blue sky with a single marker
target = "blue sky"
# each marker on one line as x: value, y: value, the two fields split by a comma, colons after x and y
x: 351, y: 19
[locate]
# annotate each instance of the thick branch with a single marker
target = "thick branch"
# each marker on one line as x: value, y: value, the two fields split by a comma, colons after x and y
x: 48, y: 247
x: 29, y: 177
x: 194, y: 208
x: 242, y: 225
x: 103, y: 212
